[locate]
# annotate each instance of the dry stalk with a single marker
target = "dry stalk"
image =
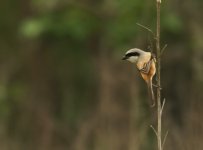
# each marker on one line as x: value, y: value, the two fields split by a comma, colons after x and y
x: 159, y: 52
x: 160, y: 106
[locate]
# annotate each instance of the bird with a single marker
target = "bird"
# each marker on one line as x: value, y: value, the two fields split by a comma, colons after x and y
x: 146, y: 64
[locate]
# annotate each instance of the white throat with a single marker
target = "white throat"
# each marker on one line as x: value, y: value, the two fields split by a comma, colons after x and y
x: 133, y: 59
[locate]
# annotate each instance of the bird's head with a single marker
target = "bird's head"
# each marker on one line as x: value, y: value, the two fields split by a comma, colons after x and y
x: 133, y: 55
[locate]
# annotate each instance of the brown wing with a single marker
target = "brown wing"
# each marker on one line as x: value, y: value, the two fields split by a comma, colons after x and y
x: 146, y: 67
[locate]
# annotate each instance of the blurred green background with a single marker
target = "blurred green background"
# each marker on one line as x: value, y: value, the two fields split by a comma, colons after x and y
x: 63, y: 85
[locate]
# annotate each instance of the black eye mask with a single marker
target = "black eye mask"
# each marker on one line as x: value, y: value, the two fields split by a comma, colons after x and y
x: 132, y: 54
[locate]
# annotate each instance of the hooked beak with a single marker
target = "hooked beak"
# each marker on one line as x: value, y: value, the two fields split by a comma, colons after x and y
x: 124, y: 58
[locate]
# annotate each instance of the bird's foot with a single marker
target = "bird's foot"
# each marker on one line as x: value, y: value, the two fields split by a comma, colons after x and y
x: 157, y: 86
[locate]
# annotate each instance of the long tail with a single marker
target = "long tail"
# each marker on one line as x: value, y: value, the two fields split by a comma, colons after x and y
x: 151, y: 93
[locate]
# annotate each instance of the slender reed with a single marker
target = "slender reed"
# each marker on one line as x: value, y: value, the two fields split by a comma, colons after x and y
x: 160, y: 106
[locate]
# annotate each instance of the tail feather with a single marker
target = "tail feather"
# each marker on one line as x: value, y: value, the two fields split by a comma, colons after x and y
x: 151, y: 93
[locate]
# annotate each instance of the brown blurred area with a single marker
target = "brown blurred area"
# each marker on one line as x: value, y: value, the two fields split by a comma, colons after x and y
x: 64, y: 86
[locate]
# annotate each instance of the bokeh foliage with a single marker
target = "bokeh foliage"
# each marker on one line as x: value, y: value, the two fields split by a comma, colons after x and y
x: 63, y: 84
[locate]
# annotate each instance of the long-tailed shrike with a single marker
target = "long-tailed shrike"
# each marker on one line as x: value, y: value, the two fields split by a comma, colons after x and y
x: 145, y: 63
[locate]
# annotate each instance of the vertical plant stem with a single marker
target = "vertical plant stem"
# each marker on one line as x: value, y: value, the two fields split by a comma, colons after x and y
x: 159, y: 107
